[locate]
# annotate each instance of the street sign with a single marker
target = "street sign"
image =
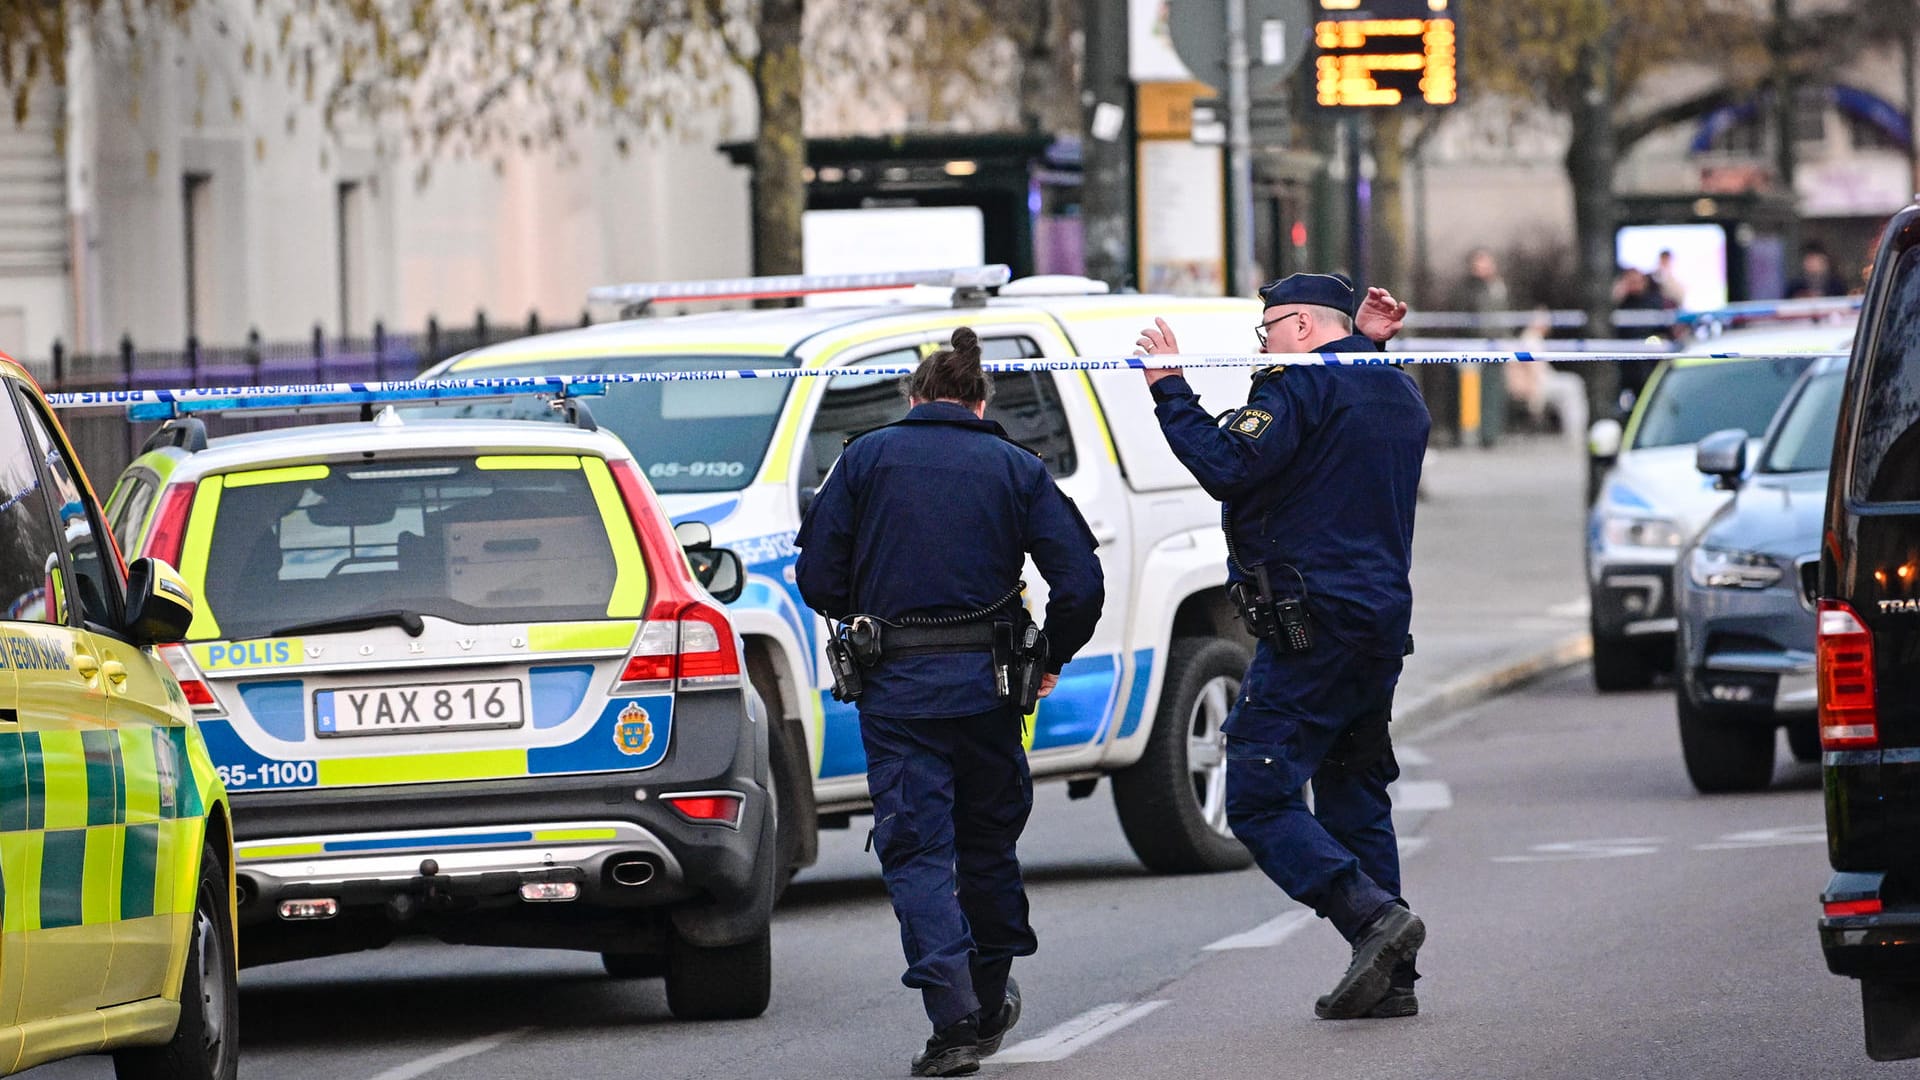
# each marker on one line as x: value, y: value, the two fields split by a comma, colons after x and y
x: 1277, y: 33
x: 1389, y: 53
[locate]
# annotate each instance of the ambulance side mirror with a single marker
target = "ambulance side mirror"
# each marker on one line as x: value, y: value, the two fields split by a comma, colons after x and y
x: 159, y: 604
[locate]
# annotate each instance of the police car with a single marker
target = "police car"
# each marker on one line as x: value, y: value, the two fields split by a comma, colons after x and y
x: 1142, y: 704
x: 1653, y: 499
x: 116, y: 918
x: 463, y: 681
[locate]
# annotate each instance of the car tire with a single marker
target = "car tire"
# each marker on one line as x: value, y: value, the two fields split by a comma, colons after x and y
x: 633, y: 965
x: 1722, y: 755
x: 1620, y: 664
x: 205, y: 1045
x: 1172, y: 809
x: 1803, y: 738
x: 730, y: 982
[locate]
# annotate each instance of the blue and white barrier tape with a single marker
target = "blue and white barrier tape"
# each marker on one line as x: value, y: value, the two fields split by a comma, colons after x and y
x: 161, y: 404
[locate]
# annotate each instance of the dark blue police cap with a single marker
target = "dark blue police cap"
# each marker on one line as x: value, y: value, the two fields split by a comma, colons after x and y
x: 1336, y: 291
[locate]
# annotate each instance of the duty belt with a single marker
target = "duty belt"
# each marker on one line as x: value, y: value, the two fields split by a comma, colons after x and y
x: 967, y: 637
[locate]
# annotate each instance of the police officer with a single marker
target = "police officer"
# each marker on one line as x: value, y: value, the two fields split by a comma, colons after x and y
x: 917, y: 539
x: 1318, y: 475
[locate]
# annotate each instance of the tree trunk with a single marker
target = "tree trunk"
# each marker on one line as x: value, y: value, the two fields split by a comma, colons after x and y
x: 1590, y: 170
x: 1106, y: 199
x: 780, y: 143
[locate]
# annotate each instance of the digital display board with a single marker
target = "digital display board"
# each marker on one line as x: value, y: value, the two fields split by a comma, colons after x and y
x: 1383, y: 53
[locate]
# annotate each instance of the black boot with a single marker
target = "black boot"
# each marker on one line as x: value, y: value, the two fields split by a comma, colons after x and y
x: 1393, y: 936
x: 994, y: 1028
x: 1401, y: 1001
x: 954, y: 1050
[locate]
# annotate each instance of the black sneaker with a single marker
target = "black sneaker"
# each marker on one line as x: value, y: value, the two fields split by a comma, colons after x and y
x: 952, y: 1051
x: 994, y: 1029
x: 1400, y: 1001
x: 1394, y: 936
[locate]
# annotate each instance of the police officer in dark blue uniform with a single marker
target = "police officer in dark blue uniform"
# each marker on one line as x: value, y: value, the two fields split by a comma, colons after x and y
x: 1317, y: 475
x: 913, y: 548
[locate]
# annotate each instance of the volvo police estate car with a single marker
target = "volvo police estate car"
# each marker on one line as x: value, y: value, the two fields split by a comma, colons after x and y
x: 1653, y: 500
x: 116, y: 917
x: 1869, y: 657
x: 1142, y: 704
x: 463, y: 681
x: 1743, y: 594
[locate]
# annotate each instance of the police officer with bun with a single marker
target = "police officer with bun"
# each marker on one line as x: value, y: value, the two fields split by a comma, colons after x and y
x: 1317, y: 475
x: 913, y: 550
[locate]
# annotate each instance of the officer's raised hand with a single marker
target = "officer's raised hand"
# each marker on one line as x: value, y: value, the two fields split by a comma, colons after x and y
x: 1380, y: 315
x: 1157, y: 340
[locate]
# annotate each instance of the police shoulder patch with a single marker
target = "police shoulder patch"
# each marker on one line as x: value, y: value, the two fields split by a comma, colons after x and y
x: 1252, y: 423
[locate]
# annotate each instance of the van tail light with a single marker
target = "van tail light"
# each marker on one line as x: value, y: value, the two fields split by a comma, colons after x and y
x: 1840, y: 909
x: 1849, y: 719
x: 169, y: 532
x: 199, y: 694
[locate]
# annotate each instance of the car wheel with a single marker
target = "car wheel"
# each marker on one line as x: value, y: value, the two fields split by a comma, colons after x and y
x: 206, y: 1045
x: 1173, y: 801
x: 731, y: 982
x: 1620, y: 664
x: 1723, y: 755
x: 1803, y: 738
x: 789, y: 782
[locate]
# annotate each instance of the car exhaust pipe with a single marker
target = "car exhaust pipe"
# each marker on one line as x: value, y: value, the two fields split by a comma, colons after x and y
x: 632, y: 872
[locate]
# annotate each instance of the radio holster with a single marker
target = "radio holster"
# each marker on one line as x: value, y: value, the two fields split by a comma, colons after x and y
x: 1281, y: 621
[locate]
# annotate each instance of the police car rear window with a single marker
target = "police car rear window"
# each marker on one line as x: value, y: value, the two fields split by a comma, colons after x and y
x: 1691, y: 403
x: 301, y: 546
x: 687, y: 436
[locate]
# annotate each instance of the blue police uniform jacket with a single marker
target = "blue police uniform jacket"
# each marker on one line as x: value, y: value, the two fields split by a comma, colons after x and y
x: 934, y: 516
x: 1319, y: 472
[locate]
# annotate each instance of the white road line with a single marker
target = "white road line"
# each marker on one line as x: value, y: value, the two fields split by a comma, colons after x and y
x: 1078, y: 1033
x: 1411, y: 756
x: 425, y: 1065
x: 1572, y: 609
x: 1421, y: 795
x: 1267, y: 934
x: 1409, y: 845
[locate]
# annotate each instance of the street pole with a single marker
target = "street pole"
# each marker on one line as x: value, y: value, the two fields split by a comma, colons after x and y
x: 1356, y: 202
x: 1783, y: 109
x: 1106, y: 194
x: 1239, y: 156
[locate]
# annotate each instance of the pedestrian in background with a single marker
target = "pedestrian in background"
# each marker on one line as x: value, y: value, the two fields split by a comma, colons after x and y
x: 1817, y: 277
x: 1484, y: 293
x: 929, y: 521
x: 1318, y: 475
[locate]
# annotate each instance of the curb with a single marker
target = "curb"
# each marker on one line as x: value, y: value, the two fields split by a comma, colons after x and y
x: 1478, y: 686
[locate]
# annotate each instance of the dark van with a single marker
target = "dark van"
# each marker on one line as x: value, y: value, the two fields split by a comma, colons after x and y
x: 1869, y: 657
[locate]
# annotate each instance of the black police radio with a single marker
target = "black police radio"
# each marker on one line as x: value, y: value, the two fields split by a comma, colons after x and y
x: 1279, y: 620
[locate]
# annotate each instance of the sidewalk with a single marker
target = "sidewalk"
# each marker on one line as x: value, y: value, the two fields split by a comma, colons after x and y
x: 1499, y: 593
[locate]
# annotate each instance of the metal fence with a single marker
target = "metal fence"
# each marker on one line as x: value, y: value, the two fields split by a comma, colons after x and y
x: 106, y: 441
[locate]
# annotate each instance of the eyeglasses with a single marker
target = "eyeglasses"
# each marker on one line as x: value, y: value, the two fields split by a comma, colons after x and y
x: 1260, y: 331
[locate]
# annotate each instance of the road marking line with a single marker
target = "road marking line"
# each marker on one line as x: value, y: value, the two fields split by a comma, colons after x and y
x: 425, y: 1065
x: 1082, y: 1031
x: 1759, y: 838
x: 1267, y: 934
x: 1411, y: 755
x: 1409, y: 845
x: 1572, y: 609
x: 1420, y: 795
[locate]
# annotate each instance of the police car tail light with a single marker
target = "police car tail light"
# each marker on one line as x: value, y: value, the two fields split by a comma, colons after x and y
x: 723, y: 809
x: 654, y: 654
x: 708, y: 655
x: 194, y: 684
x: 170, y: 525
x: 1849, y: 716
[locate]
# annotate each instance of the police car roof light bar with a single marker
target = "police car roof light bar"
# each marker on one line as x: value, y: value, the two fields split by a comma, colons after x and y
x: 641, y: 294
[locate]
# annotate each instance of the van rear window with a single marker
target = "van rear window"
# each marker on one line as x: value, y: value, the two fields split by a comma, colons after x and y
x: 1886, y: 448
x: 301, y: 546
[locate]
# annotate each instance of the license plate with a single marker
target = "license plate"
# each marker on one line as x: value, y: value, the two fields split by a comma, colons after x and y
x: 399, y: 710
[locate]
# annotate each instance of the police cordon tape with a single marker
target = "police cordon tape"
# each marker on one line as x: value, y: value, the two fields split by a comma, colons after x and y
x: 163, y: 404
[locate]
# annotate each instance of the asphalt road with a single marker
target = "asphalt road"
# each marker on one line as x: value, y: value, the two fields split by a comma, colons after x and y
x: 1590, y: 916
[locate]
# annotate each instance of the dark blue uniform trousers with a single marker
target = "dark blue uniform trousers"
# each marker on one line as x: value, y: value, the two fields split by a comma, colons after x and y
x: 950, y: 798
x: 1320, y: 717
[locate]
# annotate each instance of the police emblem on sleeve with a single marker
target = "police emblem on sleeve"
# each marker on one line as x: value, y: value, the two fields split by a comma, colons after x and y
x: 1252, y: 423
x: 633, y: 731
